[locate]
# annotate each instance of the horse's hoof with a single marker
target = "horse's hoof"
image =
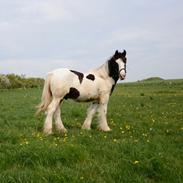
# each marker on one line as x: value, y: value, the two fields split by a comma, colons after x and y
x: 47, y: 131
x: 107, y: 129
x: 63, y: 130
x: 86, y: 127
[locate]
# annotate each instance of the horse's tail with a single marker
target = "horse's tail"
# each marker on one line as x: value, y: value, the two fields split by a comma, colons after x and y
x: 46, y: 96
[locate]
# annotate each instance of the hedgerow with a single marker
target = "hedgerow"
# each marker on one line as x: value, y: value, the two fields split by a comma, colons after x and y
x: 11, y: 81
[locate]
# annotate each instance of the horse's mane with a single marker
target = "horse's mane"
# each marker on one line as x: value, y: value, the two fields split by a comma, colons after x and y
x: 113, y: 69
x: 108, y: 69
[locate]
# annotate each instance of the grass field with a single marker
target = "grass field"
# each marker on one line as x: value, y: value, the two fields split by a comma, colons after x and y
x: 145, y: 144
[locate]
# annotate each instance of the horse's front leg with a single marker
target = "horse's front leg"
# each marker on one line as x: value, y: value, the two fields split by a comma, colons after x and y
x: 90, y: 113
x: 102, y: 110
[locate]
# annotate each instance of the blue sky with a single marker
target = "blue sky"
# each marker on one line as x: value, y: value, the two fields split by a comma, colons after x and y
x: 37, y: 36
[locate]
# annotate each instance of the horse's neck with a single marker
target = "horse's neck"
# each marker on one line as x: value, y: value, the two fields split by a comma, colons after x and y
x: 103, y: 72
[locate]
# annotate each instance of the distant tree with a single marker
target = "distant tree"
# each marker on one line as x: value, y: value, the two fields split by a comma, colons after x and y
x: 4, y: 81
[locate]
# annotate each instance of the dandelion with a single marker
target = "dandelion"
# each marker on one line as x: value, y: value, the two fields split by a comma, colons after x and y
x: 148, y: 141
x: 122, y: 132
x: 144, y: 134
x: 81, y: 178
x: 136, y: 162
x: 127, y: 127
x: 112, y: 121
x: 114, y: 140
x: 167, y: 131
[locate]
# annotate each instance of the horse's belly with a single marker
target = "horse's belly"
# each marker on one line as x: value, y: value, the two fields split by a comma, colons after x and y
x: 88, y: 94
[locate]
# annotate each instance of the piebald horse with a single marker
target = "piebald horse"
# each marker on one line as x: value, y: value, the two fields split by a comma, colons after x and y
x: 95, y: 86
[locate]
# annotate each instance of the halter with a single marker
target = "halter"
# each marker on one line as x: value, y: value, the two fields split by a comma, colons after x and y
x: 123, y: 68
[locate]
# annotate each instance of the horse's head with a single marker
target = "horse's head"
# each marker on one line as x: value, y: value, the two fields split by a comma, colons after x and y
x: 120, y: 58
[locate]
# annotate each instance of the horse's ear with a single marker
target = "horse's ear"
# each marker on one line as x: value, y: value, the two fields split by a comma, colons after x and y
x: 124, y: 53
x: 116, y: 52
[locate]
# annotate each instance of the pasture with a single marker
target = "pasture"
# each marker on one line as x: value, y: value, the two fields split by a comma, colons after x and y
x: 145, y: 144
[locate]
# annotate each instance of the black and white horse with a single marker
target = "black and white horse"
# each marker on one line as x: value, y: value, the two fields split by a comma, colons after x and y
x: 95, y: 86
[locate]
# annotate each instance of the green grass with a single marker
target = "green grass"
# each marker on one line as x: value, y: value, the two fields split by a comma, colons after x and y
x: 145, y: 144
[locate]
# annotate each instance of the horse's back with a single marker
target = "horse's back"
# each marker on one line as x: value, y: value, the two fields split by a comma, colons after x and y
x: 60, y: 71
x: 60, y: 80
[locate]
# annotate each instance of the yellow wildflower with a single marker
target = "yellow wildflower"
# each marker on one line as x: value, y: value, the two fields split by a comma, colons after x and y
x: 144, y: 134
x: 136, y: 162
x: 127, y: 127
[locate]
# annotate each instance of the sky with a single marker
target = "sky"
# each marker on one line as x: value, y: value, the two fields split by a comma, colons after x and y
x: 37, y: 36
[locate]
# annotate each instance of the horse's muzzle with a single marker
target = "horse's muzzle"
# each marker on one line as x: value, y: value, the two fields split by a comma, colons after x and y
x: 122, y: 77
x: 122, y: 74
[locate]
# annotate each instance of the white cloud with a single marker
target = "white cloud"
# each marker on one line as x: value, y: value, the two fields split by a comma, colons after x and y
x: 45, y: 11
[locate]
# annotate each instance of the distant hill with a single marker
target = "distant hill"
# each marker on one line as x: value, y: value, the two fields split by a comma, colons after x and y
x: 152, y: 79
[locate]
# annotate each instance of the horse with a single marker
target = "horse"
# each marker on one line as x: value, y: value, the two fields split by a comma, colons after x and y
x: 95, y: 86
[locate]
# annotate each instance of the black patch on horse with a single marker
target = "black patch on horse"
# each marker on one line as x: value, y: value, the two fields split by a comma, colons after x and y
x: 73, y: 94
x: 112, y: 88
x: 91, y: 77
x: 79, y: 74
x: 113, y: 69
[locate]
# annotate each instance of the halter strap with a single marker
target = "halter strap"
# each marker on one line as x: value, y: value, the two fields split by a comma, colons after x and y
x: 123, y: 69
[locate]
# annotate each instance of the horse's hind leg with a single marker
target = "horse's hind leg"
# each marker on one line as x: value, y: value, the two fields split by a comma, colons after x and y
x: 58, y: 120
x: 50, y: 111
x: 90, y: 113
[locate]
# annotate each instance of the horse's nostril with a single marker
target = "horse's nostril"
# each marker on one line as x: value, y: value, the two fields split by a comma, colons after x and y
x: 122, y: 77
